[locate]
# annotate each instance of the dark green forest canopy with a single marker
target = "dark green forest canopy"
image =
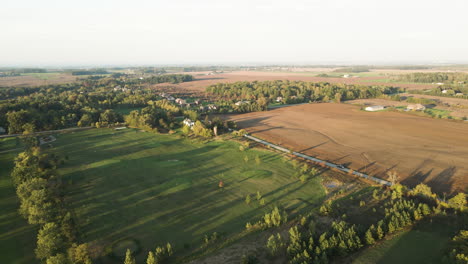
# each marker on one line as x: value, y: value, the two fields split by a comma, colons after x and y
x: 433, y: 77
x: 298, y: 91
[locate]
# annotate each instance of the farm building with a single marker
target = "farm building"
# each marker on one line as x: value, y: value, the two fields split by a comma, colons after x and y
x: 279, y: 99
x: 2, y: 130
x: 416, y: 107
x: 212, y: 107
x: 188, y: 122
x: 375, y: 108
x: 241, y: 103
x: 459, y: 94
x: 180, y: 101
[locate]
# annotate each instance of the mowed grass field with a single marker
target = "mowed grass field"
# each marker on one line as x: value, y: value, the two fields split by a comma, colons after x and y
x: 161, y: 188
x: 17, y: 238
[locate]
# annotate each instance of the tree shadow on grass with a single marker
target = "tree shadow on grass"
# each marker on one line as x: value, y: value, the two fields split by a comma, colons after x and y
x: 425, y: 243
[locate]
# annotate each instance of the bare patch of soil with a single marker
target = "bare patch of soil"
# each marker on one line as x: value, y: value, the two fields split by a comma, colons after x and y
x: 420, y: 149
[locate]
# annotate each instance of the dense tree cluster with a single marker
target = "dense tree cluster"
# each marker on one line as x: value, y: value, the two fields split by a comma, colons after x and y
x: 158, y: 116
x: 433, y: 77
x: 91, y: 101
x: 255, y: 96
x: 355, y: 69
x: 458, y: 249
x: 169, y: 78
x: 89, y: 72
x: 315, y: 241
x: 40, y: 190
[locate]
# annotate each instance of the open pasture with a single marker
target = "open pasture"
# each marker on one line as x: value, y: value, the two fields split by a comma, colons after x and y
x: 155, y: 189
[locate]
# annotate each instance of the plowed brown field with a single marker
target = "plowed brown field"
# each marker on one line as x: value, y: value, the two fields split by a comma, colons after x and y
x: 420, y: 149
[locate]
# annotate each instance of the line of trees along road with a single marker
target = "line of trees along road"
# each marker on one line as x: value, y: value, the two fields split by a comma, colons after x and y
x: 40, y: 190
x: 259, y: 94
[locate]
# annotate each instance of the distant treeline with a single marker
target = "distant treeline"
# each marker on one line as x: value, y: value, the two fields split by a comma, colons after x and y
x: 17, y: 72
x: 433, y: 77
x: 169, y: 78
x: 29, y: 70
x: 355, y: 69
x: 89, y: 72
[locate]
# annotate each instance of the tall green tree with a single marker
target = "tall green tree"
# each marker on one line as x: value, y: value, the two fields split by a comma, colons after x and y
x: 129, y: 259
x: 49, y: 241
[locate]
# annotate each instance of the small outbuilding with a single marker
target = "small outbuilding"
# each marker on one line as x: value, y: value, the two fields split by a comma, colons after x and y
x: 2, y: 130
x: 374, y: 108
x: 241, y: 103
x: 188, y: 122
x: 415, y: 107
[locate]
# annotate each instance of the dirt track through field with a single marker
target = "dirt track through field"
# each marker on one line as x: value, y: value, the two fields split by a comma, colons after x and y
x: 419, y: 149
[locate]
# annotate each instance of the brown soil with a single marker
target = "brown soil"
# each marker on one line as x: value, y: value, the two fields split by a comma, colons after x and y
x: 420, y: 149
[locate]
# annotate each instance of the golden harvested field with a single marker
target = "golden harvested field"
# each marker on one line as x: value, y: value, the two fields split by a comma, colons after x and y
x: 420, y: 149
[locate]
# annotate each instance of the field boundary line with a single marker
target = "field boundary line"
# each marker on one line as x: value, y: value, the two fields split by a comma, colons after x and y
x: 324, y: 162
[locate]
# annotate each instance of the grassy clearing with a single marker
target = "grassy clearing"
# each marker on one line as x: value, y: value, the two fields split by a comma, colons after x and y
x: 43, y: 76
x: 439, y: 113
x: 17, y: 238
x: 423, y: 244
x: 159, y: 188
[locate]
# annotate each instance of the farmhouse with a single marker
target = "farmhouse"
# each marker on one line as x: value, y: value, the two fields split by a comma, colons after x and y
x: 415, y: 107
x: 119, y: 88
x: 241, y: 103
x: 375, y: 108
x: 2, y: 130
x: 279, y: 99
x: 212, y: 107
x: 180, y: 101
x: 188, y: 122
x: 444, y: 91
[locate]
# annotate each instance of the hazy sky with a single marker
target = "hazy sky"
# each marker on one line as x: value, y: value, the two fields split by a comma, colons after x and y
x: 104, y: 32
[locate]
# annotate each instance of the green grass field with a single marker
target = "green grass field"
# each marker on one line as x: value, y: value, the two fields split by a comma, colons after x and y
x: 424, y: 244
x: 17, y: 238
x: 161, y: 188
x: 44, y: 76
